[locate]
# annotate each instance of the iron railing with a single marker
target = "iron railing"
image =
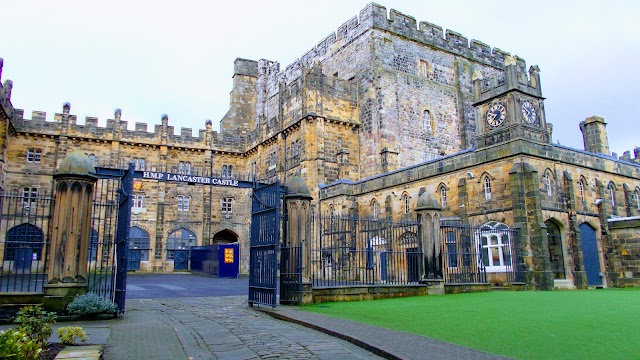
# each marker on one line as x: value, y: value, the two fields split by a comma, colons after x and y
x: 351, y: 252
x: 25, y: 216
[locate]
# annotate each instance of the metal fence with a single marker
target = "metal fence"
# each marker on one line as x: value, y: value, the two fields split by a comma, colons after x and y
x: 25, y: 215
x: 480, y: 254
x: 350, y: 251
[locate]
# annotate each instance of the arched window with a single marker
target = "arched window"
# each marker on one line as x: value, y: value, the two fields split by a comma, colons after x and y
x: 181, y: 239
x: 495, y: 245
x: 375, y: 209
x: 139, y: 240
x: 582, y: 187
x: 332, y: 212
x: 612, y: 194
x: 24, y: 244
x: 547, y: 183
x: 636, y: 195
x: 487, y: 188
x: 443, y: 197
x: 405, y: 200
x: 426, y: 122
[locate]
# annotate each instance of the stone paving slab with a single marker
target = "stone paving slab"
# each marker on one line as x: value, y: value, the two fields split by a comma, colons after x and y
x: 386, y: 343
x: 89, y: 352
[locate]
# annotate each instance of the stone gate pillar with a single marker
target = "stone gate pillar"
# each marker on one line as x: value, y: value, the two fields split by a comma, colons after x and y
x: 298, y: 235
x: 69, y: 247
x: 428, y: 210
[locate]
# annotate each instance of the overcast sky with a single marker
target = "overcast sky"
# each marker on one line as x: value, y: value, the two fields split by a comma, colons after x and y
x: 176, y: 57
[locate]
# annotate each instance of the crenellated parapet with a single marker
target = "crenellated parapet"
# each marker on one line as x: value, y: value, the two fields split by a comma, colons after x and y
x: 514, y: 78
x: 65, y: 123
x: 626, y: 156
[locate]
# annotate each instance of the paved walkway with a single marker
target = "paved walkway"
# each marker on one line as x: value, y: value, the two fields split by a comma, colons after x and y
x: 227, y: 328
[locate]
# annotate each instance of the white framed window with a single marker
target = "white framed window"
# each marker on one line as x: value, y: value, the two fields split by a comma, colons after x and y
x: 34, y: 155
x: 487, y: 188
x: 494, y: 241
x: 137, y: 201
x: 227, y: 205
x: 227, y: 171
x: 29, y: 196
x: 405, y: 199
x: 443, y: 197
x: 183, y: 203
x: 184, y: 168
x: 139, y: 164
x: 547, y: 183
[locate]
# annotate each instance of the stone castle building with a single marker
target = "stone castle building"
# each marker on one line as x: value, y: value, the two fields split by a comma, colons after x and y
x: 376, y: 115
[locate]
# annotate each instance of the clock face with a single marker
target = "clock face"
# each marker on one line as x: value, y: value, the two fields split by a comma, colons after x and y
x: 496, y: 115
x: 529, y: 112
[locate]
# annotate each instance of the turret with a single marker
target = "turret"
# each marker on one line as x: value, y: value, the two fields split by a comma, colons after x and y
x: 594, y: 135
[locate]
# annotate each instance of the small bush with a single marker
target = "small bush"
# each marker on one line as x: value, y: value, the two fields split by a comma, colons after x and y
x: 91, y: 304
x: 36, y: 323
x: 16, y: 344
x: 69, y: 334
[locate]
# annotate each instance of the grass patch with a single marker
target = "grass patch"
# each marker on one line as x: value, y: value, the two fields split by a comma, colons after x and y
x: 580, y: 324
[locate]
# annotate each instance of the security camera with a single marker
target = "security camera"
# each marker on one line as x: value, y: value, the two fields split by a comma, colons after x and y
x: 470, y: 175
x: 394, y: 193
x: 598, y: 201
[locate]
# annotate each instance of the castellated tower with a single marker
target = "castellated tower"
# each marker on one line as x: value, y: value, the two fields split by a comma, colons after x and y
x: 242, y: 109
x: 594, y: 135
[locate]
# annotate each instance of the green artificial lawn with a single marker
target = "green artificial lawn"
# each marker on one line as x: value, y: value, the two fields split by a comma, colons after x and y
x: 580, y: 324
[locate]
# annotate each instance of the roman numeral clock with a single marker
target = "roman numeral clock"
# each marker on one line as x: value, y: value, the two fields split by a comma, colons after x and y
x: 511, y: 108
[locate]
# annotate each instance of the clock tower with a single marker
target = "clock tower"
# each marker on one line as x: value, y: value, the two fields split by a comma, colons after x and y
x: 510, y: 108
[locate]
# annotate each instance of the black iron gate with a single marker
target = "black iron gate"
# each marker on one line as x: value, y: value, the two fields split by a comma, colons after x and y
x: 263, y: 250
x: 107, y: 272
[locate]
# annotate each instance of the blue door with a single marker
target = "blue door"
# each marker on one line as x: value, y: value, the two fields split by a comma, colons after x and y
x: 590, y: 255
x: 181, y: 260
x: 22, y: 259
x: 383, y: 266
x: 228, y: 256
x: 134, y: 259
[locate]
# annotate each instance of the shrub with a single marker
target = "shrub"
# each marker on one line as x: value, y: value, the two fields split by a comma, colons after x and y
x: 36, y: 323
x: 91, y: 304
x: 69, y: 334
x: 16, y: 344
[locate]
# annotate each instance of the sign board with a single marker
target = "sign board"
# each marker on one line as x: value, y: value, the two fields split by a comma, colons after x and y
x: 162, y: 176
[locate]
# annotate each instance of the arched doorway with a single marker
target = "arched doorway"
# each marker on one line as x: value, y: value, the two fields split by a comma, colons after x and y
x: 138, y: 247
x: 556, y: 255
x: 590, y: 254
x: 225, y: 237
x: 179, y: 243
x: 24, y: 245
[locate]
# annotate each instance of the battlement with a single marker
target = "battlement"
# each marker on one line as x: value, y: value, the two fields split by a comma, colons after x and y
x: 66, y: 123
x: 626, y: 156
x: 514, y: 78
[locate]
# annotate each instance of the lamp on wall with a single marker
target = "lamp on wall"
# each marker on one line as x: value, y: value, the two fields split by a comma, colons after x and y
x: 598, y: 201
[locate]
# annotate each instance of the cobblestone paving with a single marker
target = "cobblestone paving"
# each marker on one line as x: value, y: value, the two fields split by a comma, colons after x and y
x: 216, y: 328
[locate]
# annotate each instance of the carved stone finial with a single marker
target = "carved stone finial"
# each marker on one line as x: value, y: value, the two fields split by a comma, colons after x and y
x: 510, y: 60
x: 66, y: 107
x: 164, y: 117
x: 477, y: 75
x: 208, y: 122
x: 534, y: 69
x: 117, y: 114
